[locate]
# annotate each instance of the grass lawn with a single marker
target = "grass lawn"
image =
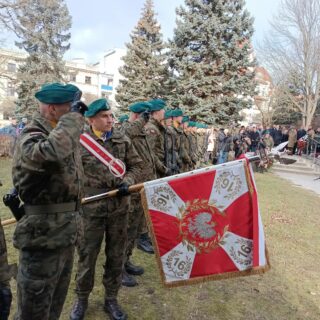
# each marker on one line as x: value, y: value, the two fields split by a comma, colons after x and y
x: 289, y: 291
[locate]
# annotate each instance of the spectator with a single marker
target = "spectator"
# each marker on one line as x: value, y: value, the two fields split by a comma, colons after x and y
x: 255, y: 138
x: 222, y: 145
x: 292, y: 140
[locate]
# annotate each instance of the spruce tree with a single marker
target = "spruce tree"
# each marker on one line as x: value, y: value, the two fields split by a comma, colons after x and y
x: 42, y: 30
x: 144, y: 71
x: 211, y: 68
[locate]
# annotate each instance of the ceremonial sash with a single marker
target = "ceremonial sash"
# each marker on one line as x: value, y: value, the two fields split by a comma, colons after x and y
x: 116, y: 166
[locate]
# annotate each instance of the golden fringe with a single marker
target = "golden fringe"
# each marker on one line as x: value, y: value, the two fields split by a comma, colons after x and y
x: 193, y: 281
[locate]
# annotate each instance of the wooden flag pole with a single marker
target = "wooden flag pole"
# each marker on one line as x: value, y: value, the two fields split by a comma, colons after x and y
x: 132, y: 189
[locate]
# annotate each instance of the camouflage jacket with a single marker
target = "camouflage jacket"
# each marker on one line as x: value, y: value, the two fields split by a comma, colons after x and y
x: 170, y: 149
x: 136, y: 132
x: 99, y: 179
x: 192, y: 147
x: 97, y: 175
x: 155, y: 133
x: 186, y: 161
x: 47, y: 170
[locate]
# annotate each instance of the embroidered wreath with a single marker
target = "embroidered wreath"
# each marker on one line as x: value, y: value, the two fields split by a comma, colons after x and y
x: 197, y: 227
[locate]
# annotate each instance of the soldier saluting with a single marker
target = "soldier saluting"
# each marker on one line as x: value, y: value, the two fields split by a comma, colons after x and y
x: 47, y: 173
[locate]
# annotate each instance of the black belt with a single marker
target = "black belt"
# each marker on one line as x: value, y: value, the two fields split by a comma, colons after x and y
x: 51, y: 208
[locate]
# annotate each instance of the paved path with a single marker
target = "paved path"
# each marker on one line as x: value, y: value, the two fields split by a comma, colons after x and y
x: 304, y: 181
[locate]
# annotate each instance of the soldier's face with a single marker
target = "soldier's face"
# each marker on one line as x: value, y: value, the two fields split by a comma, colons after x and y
x: 158, y: 115
x: 179, y: 119
x: 102, y: 121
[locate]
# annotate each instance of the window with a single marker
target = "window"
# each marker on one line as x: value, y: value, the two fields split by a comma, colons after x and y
x: 106, y: 95
x: 12, y: 67
x: 110, y: 82
x: 73, y: 78
x: 10, y: 90
x: 87, y: 80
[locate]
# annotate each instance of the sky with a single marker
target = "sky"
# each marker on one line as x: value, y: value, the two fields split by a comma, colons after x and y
x: 100, y: 25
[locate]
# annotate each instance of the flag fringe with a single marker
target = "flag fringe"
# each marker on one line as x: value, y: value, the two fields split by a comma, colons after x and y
x: 193, y: 281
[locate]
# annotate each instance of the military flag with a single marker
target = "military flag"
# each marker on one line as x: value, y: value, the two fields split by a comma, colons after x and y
x: 206, y: 224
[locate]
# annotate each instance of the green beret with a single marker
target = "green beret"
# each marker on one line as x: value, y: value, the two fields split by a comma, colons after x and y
x: 139, y: 107
x: 56, y: 93
x: 168, y: 114
x: 97, y: 106
x: 123, y: 118
x: 177, y: 113
x: 185, y: 119
x: 157, y: 104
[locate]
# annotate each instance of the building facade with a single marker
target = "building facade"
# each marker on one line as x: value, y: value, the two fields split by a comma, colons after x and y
x: 94, y: 80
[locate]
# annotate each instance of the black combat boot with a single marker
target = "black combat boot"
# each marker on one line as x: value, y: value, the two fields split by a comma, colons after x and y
x: 5, y: 303
x: 113, y: 309
x: 132, y: 269
x: 79, y: 309
x: 128, y: 280
x: 144, y: 243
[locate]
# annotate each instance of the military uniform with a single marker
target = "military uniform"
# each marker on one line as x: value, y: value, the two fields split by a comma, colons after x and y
x: 6, y: 273
x: 136, y: 132
x: 107, y: 217
x: 156, y: 133
x: 47, y: 174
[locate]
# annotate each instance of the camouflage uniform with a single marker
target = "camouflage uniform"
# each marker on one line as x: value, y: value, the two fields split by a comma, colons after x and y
x: 155, y: 133
x: 192, y: 149
x: 47, y: 174
x: 136, y: 132
x: 6, y: 273
x: 184, y: 160
x: 107, y: 217
x: 170, y: 148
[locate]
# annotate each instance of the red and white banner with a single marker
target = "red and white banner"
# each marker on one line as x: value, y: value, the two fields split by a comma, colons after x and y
x: 206, y: 224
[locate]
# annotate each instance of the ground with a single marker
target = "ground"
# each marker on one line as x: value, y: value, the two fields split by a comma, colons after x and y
x: 289, y: 291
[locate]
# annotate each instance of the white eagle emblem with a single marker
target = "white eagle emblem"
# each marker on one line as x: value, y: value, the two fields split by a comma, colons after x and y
x: 202, y: 226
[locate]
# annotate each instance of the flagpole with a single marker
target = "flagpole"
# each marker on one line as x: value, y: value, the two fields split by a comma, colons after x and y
x: 137, y: 187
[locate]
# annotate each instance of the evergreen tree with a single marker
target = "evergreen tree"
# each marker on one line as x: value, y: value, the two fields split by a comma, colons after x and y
x: 42, y: 30
x: 144, y: 68
x: 211, y: 68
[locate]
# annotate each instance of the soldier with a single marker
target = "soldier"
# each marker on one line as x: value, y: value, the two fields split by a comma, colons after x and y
x: 170, y: 144
x: 192, y: 143
x: 6, y: 273
x: 107, y: 217
x: 47, y: 174
x: 134, y: 129
x: 123, y: 119
x: 177, y: 116
x: 156, y: 132
x: 185, y: 157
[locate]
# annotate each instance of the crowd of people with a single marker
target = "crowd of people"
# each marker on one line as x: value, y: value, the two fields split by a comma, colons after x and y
x: 69, y: 151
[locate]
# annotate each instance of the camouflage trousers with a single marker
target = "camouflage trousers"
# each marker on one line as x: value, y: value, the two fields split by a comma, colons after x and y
x: 114, y: 228
x: 43, y: 280
x: 137, y: 222
x: 6, y: 271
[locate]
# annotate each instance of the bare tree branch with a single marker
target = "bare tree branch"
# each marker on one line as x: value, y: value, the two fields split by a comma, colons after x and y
x: 292, y: 50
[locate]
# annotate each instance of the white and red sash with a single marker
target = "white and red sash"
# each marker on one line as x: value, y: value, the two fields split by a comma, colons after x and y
x: 116, y: 166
